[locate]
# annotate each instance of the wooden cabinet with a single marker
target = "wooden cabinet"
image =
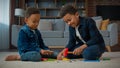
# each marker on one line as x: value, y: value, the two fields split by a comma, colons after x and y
x: 50, y: 8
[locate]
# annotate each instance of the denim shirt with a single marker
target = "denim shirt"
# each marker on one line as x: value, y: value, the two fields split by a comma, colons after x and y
x: 30, y: 41
x: 88, y: 31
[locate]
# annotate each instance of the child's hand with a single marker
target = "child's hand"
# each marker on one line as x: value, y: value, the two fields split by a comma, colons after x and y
x: 46, y: 52
x: 79, y: 50
x: 60, y: 56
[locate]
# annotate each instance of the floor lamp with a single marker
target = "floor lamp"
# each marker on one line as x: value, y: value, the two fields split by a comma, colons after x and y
x: 19, y: 13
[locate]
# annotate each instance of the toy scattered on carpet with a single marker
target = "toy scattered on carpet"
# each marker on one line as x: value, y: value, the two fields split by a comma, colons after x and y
x: 48, y: 59
x: 66, y: 52
x: 44, y: 59
x: 74, y: 60
x: 65, y: 59
x: 105, y: 58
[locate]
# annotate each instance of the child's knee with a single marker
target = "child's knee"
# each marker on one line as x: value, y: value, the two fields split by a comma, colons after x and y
x: 35, y: 57
x: 88, y: 55
x: 31, y: 57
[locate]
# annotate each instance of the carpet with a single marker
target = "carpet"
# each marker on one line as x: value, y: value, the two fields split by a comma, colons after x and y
x: 112, y: 62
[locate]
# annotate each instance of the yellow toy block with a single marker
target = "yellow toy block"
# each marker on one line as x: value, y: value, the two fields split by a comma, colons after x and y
x: 65, y: 59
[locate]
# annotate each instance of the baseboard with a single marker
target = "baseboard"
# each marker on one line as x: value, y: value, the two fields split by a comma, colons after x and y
x: 56, y: 47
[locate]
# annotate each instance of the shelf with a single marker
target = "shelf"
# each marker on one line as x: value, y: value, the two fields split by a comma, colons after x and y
x: 81, y: 8
x: 50, y: 8
x: 50, y: 17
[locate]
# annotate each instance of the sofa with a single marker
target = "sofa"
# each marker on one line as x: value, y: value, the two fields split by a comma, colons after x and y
x: 110, y: 34
x: 55, y: 33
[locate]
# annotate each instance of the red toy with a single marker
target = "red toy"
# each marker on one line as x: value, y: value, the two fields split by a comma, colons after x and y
x: 44, y: 59
x: 66, y: 52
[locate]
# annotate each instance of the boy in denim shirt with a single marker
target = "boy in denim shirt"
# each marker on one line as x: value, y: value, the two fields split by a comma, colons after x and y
x: 30, y: 43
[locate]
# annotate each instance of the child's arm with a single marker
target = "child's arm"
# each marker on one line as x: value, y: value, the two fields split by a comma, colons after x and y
x: 42, y: 44
x: 46, y: 52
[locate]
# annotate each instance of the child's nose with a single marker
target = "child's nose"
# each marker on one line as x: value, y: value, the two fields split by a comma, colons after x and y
x: 69, y: 23
x: 36, y: 23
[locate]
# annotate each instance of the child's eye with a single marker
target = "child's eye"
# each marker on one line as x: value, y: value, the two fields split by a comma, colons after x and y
x: 68, y: 20
x: 34, y: 22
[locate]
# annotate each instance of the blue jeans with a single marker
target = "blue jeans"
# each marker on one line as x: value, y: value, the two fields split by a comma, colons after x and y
x: 90, y: 53
x: 36, y: 56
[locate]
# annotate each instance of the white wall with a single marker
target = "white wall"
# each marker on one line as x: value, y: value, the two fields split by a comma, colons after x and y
x: 4, y: 23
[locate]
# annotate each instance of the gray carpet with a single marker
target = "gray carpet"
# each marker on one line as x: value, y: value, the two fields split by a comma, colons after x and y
x: 114, y: 62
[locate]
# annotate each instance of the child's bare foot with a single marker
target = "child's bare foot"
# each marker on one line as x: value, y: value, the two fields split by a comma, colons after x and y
x: 12, y: 57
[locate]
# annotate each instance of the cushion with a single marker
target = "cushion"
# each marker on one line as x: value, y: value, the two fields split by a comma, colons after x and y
x: 66, y: 27
x: 52, y: 34
x: 98, y: 20
x: 98, y: 23
x: 66, y: 34
x: 104, y: 24
x: 45, y: 25
x: 59, y: 25
x: 105, y: 33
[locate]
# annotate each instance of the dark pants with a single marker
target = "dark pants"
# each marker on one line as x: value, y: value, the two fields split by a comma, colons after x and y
x: 90, y: 53
x: 36, y: 56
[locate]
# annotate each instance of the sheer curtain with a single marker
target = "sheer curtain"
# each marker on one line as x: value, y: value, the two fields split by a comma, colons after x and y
x: 4, y: 23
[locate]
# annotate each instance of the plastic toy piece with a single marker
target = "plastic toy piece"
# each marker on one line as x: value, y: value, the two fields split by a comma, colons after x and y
x: 44, y: 59
x: 65, y: 59
x: 66, y: 52
x: 106, y: 58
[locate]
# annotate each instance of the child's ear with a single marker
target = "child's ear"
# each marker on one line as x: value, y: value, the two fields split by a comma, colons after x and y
x: 77, y: 14
x: 25, y: 20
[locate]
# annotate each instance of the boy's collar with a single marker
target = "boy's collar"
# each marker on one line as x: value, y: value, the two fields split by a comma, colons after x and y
x: 77, y: 26
x: 81, y: 21
x: 30, y: 28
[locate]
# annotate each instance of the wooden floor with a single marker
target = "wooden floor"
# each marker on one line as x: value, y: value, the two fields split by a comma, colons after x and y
x: 116, y: 47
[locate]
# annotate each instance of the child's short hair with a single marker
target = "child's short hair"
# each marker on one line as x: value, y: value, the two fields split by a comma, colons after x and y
x: 31, y: 10
x: 68, y: 8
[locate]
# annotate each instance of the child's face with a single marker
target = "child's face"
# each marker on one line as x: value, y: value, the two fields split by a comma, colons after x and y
x: 72, y: 20
x: 33, y: 21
